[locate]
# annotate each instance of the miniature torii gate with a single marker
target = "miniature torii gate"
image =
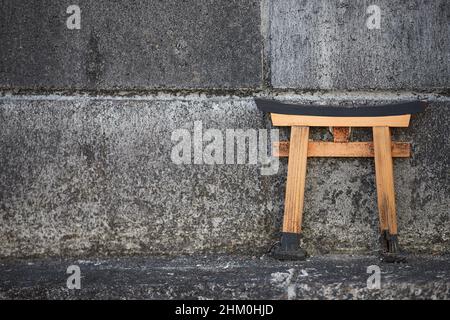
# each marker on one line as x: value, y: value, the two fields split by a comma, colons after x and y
x: 300, y: 118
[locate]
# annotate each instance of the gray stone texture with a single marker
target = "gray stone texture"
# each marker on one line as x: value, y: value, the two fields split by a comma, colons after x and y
x: 325, y: 44
x: 87, y: 176
x: 130, y: 45
x: 226, y: 277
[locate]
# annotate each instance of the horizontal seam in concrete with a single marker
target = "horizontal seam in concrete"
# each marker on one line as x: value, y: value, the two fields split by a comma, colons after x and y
x: 337, y: 96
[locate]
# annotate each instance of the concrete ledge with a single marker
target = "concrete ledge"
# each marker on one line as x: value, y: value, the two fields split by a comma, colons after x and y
x: 226, y: 277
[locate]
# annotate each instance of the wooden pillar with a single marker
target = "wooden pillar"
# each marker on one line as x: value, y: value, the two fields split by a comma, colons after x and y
x: 385, y: 179
x: 295, y: 187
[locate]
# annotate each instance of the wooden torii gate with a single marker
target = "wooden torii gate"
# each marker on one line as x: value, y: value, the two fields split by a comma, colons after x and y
x: 300, y: 118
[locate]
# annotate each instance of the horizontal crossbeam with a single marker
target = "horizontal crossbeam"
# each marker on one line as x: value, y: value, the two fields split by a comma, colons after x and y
x: 287, y: 120
x: 344, y: 150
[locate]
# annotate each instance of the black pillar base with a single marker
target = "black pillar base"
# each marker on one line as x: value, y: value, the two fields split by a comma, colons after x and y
x: 391, y: 252
x: 289, y: 248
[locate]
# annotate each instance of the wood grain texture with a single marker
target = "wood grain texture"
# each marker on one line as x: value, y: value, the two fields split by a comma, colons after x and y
x: 385, y: 179
x: 295, y: 186
x: 317, y: 121
x: 345, y: 150
x: 341, y: 134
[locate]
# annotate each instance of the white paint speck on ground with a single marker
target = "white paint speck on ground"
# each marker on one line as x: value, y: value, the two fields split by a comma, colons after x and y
x: 283, y: 280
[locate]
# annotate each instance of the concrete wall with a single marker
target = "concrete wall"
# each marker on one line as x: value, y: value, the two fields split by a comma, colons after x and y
x: 326, y: 45
x: 93, y: 175
x: 143, y: 45
x: 97, y: 177
x: 88, y: 176
x: 130, y: 44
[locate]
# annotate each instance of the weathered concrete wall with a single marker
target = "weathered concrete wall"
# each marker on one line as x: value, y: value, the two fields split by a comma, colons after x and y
x: 218, y: 44
x: 325, y: 44
x: 130, y: 44
x: 94, y: 177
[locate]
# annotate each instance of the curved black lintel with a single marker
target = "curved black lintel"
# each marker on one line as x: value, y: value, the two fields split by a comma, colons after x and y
x: 403, y: 108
